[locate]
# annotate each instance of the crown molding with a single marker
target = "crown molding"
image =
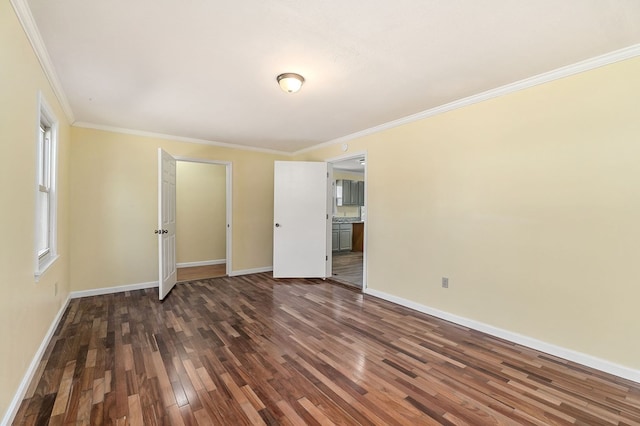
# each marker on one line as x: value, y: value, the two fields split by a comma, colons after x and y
x: 33, y: 34
x: 142, y: 133
x: 31, y: 30
x: 579, y: 67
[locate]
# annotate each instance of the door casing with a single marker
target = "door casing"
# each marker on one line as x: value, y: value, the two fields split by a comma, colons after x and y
x: 229, y: 201
x: 358, y: 154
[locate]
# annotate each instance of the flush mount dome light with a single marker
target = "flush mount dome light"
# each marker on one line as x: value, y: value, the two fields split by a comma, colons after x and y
x: 290, y: 82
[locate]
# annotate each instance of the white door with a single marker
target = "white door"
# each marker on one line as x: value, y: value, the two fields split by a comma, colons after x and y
x: 301, y: 220
x: 166, y: 222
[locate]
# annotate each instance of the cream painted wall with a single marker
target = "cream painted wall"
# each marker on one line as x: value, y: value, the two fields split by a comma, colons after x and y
x: 529, y: 204
x: 347, y: 211
x: 201, y: 212
x: 27, y: 307
x: 337, y: 174
x: 114, y: 206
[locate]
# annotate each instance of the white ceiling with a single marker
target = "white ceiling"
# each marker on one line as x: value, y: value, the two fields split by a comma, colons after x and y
x: 207, y: 69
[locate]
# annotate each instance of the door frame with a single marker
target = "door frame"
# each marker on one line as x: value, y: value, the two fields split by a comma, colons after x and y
x: 358, y: 154
x: 229, y: 201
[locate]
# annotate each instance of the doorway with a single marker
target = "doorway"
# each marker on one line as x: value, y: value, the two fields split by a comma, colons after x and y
x: 203, y: 213
x: 349, y: 219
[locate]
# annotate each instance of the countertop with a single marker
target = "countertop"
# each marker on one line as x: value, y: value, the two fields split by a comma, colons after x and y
x: 347, y: 220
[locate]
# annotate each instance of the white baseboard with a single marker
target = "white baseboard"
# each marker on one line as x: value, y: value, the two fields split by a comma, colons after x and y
x: 250, y: 271
x: 12, y: 410
x: 110, y: 290
x: 571, y: 355
x: 202, y: 263
x: 33, y: 367
x: 559, y: 351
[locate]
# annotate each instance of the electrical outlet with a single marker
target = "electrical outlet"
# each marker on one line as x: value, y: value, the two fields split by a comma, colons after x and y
x: 445, y: 282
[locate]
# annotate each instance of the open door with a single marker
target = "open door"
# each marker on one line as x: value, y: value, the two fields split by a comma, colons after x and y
x: 302, y: 220
x: 166, y: 222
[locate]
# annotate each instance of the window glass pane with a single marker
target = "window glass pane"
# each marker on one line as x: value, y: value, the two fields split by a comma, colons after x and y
x: 43, y: 228
x: 41, y: 157
x: 46, y: 166
x: 45, y: 238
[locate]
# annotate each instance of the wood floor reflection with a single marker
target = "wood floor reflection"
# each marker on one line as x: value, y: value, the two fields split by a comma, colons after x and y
x: 201, y: 272
x: 257, y: 350
x: 347, y: 267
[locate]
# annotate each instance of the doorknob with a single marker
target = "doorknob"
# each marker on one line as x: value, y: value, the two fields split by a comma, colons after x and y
x: 277, y: 225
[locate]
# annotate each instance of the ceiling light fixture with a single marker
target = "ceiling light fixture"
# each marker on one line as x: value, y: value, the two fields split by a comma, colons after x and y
x: 290, y: 82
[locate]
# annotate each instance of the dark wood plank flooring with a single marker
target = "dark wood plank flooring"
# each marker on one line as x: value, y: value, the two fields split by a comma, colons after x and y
x: 257, y: 350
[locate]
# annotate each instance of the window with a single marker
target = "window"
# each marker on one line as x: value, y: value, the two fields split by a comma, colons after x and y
x: 46, y: 205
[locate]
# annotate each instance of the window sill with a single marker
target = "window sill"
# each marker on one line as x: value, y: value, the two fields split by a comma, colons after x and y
x: 44, y: 265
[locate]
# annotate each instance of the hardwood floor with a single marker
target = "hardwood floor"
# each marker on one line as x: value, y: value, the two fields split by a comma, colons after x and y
x: 257, y: 350
x: 201, y: 272
x: 347, y: 267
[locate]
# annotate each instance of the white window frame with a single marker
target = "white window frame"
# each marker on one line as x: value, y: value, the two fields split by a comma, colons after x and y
x: 46, y: 182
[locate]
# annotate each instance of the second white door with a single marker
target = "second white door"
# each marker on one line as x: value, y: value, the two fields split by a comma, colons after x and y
x: 302, y: 220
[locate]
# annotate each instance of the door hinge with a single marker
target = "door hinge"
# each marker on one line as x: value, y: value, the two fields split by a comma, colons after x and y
x: 327, y: 215
x: 326, y: 258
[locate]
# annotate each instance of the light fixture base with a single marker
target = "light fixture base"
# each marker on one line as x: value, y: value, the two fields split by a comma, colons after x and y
x: 290, y: 82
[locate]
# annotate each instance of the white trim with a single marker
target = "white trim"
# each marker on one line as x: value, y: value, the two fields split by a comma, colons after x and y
x: 559, y: 351
x: 250, y: 271
x: 201, y: 160
x: 111, y: 290
x: 143, y: 133
x: 33, y: 34
x: 582, y: 66
x: 46, y: 116
x: 35, y: 362
x: 229, y: 201
x: 41, y: 268
x: 202, y: 263
x: 358, y: 154
x: 28, y: 24
x: 348, y: 156
x: 584, y: 359
x: 12, y: 410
